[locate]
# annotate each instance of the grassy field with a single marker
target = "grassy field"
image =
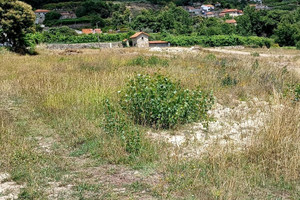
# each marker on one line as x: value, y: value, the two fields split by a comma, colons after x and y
x: 54, y: 145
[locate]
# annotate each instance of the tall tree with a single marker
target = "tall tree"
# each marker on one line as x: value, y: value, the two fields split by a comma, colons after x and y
x: 17, y: 19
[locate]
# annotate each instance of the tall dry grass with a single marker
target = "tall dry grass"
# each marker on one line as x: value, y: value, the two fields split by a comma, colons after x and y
x: 61, y: 96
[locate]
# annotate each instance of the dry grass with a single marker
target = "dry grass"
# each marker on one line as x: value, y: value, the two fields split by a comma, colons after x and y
x: 50, y: 129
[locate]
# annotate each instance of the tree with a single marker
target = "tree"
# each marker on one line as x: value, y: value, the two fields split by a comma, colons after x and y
x: 251, y: 22
x: 17, y: 19
x: 287, y: 34
x: 175, y: 20
x: 51, y: 17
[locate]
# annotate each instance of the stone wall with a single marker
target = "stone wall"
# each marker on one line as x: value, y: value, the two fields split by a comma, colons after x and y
x: 86, y: 45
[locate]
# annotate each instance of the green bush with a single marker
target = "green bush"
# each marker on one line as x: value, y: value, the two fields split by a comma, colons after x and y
x: 115, y: 123
x: 159, y: 102
x: 229, y: 81
x: 298, y: 45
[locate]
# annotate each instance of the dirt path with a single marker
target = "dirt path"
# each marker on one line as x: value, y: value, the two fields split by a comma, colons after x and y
x: 81, y: 178
x: 228, y: 51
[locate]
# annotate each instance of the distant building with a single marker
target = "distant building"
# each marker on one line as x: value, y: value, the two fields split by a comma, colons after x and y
x: 262, y: 7
x: 159, y: 44
x: 67, y: 15
x: 87, y: 31
x: 40, y: 16
x: 231, y: 12
x: 207, y: 7
x: 193, y: 10
x: 97, y: 30
x: 140, y: 39
x: 209, y: 14
x: 91, y: 31
x: 231, y: 21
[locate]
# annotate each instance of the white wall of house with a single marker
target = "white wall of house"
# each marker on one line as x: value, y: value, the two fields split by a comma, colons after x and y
x: 40, y: 18
x: 206, y: 8
x: 234, y: 14
x: 141, y: 41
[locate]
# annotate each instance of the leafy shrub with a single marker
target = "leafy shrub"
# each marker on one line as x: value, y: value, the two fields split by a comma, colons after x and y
x: 297, y: 92
x: 229, y: 81
x: 51, y: 16
x: 115, y: 123
x: 151, y: 61
x: 298, y: 45
x: 159, y: 102
x: 275, y: 45
x: 63, y: 30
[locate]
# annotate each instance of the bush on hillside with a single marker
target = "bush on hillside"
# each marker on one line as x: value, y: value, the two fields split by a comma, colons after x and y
x: 297, y: 92
x: 159, y: 102
x: 298, y: 45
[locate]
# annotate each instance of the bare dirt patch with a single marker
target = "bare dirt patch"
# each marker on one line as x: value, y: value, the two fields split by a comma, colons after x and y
x: 230, y: 126
x: 8, y: 188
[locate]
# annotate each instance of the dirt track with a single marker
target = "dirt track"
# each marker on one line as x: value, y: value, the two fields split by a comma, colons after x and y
x: 227, y: 51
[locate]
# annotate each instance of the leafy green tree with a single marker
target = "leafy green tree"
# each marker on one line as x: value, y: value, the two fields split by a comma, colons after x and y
x: 214, y: 26
x: 271, y: 20
x: 287, y: 34
x: 90, y: 7
x: 175, y: 20
x: 146, y: 20
x: 250, y: 23
x: 51, y: 17
x: 17, y: 19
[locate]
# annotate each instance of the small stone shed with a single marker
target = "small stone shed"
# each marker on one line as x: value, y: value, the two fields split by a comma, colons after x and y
x: 140, y: 39
x: 159, y: 44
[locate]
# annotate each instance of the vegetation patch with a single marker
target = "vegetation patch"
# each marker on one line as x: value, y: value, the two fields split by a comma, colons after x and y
x: 115, y: 123
x: 162, y: 103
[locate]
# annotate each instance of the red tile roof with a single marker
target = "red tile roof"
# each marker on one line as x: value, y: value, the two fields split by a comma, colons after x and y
x: 229, y: 10
x: 208, y: 5
x: 158, y: 42
x: 87, y: 31
x: 230, y: 21
x: 41, y: 11
x: 137, y: 34
x: 209, y: 13
x: 98, y: 30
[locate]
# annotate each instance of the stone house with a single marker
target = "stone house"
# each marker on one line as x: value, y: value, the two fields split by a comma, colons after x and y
x: 140, y: 39
x: 40, y: 15
x: 67, y: 15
